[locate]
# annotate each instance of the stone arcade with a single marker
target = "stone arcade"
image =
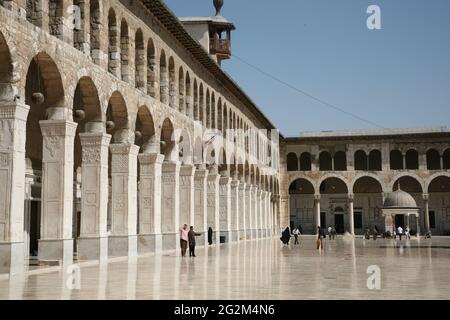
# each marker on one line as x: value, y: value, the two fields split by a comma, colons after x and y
x: 115, y: 132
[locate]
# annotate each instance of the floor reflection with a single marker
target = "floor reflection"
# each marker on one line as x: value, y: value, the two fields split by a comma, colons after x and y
x: 260, y: 269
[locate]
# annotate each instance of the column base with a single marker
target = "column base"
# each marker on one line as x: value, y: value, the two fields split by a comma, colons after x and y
x: 92, y: 248
x: 55, y: 250
x: 170, y: 241
x: 12, y: 258
x: 146, y: 243
x: 122, y: 246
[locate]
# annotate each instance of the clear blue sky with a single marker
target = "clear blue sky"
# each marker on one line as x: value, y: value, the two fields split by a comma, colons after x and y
x: 397, y: 77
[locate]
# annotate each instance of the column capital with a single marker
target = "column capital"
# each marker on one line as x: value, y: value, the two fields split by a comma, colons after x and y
x: 426, y: 197
x: 58, y: 128
x: 235, y: 183
x: 90, y: 139
x: 150, y: 158
x: 225, y: 180
x: 168, y: 166
x: 187, y: 170
x: 124, y: 148
x: 242, y: 186
x: 201, y: 173
x: 317, y: 197
x: 14, y: 110
x: 351, y: 197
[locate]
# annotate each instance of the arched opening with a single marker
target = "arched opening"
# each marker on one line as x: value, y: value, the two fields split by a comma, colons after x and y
x: 433, y: 160
x: 151, y: 69
x: 408, y: 184
x: 43, y: 90
x: 188, y: 96
x: 56, y: 18
x: 360, y: 160
x: 333, y: 186
x: 35, y: 12
x: 219, y: 115
x: 334, y: 192
x: 305, y: 161
x: 139, y: 61
x: 208, y: 110
x: 196, y: 102
x: 145, y: 132
x: 201, y: 106
x: 375, y: 162
x: 113, y: 48
x: 367, y: 185
x: 439, y: 191
x: 225, y: 120
x: 167, y: 141
x: 325, y: 161
x: 6, y: 71
x: 440, y: 184
x: 396, y: 160
x: 117, y: 123
x: 172, y: 85
x: 181, y: 90
x: 213, y: 111
x: 95, y: 23
x: 124, y: 52
x: 292, y: 162
x: 412, y: 160
x: 446, y: 159
x: 163, y: 79
x: 340, y: 161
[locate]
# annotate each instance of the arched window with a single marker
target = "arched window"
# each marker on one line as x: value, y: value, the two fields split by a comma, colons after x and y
x: 433, y: 160
x: 55, y: 18
x: 412, y: 160
x: 124, y: 51
x: 151, y: 69
x: 305, y: 161
x: 163, y: 79
x: 140, y: 61
x: 340, y: 161
x: 396, y: 160
x: 95, y: 22
x: 360, y: 160
x: 326, y: 162
x: 113, y: 48
x: 375, y: 163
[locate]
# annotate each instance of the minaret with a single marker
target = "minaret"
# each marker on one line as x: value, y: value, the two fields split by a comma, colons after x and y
x: 213, y: 33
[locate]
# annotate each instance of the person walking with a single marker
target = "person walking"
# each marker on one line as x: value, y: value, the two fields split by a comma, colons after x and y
x: 285, y: 236
x: 330, y: 232
x: 191, y: 236
x: 407, y: 233
x: 320, y: 235
x: 400, y: 232
x: 184, y: 237
x: 210, y: 236
x: 333, y: 232
x: 296, y: 233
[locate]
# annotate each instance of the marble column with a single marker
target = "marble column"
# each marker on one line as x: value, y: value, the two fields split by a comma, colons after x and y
x: 93, y: 241
x: 259, y: 213
x: 123, y: 238
x: 200, y: 204
x: 13, y: 119
x: 282, y: 211
x: 248, y: 211
x: 254, y: 212
x: 242, y: 211
x: 187, y: 173
x: 170, y: 205
x: 317, y: 212
x: 225, y: 207
x: 235, y: 212
x: 56, y: 241
x: 351, y: 214
x: 150, y: 203
x: 426, y: 201
x: 213, y: 203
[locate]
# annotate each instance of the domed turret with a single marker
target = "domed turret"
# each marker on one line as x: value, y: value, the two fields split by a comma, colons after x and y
x: 399, y: 199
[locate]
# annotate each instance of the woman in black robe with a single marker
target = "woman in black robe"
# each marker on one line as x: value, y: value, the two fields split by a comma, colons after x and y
x: 286, y: 236
x: 210, y: 236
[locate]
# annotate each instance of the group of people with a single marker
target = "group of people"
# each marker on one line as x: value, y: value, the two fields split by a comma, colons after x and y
x: 187, y: 239
x: 400, y: 232
x: 286, y: 235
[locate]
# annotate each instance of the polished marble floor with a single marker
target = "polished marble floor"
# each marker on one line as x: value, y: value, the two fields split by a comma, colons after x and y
x: 259, y: 269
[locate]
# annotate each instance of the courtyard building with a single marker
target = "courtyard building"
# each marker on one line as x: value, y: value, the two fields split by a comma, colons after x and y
x: 356, y: 180
x: 117, y: 127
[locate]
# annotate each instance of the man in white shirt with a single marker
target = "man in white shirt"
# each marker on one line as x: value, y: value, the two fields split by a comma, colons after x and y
x: 296, y: 233
x: 400, y: 232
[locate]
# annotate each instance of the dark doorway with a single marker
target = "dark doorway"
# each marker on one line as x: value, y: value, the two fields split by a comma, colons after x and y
x: 339, y: 223
x: 400, y: 221
x: 323, y: 220
x: 35, y: 224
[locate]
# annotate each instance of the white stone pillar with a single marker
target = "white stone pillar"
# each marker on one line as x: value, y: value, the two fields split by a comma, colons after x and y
x: 351, y: 214
x: 317, y: 213
x: 200, y: 197
x: 225, y: 207
x: 213, y: 204
x: 170, y: 221
x: 150, y: 203
x: 93, y: 241
x: 123, y: 238
x: 235, y: 210
x: 259, y: 213
x: 187, y: 195
x: 56, y: 241
x: 254, y: 213
x: 243, y: 211
x: 13, y: 119
x: 248, y: 211
x: 426, y: 201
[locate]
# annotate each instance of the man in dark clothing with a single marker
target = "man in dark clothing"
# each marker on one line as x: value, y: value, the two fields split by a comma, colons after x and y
x: 210, y: 236
x: 191, y: 235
